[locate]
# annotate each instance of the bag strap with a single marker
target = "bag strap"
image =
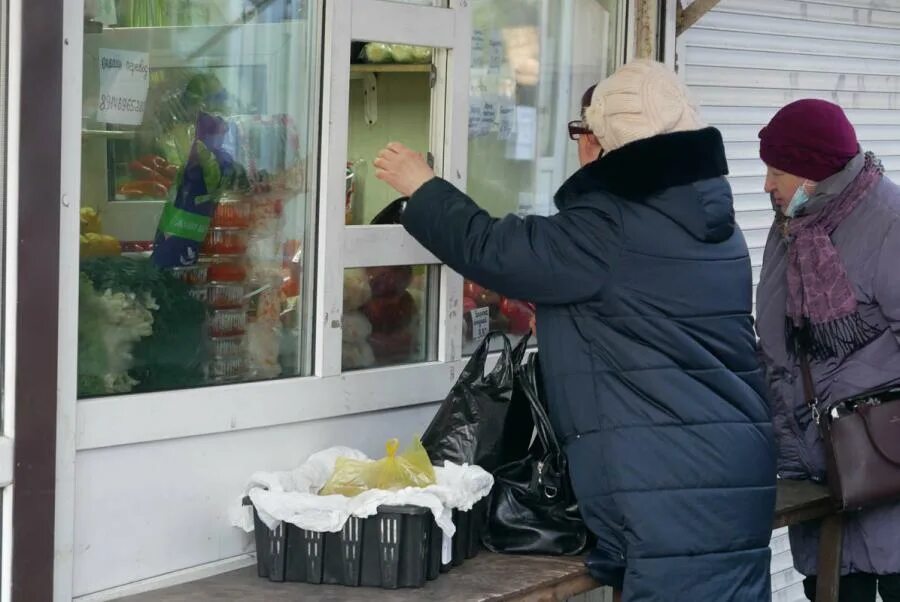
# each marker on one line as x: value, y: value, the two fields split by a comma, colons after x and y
x: 541, y: 420
x: 809, y: 387
x: 474, y: 368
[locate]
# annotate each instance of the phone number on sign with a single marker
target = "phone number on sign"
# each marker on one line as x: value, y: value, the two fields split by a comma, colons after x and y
x: 109, y: 102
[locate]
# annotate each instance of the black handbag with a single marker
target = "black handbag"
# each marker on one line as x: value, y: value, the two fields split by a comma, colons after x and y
x: 532, y: 509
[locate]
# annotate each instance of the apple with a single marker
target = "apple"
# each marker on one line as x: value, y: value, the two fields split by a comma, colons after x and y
x: 389, y: 280
x: 392, y: 348
x: 390, y: 314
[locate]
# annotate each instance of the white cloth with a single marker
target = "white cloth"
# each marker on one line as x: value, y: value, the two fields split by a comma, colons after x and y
x: 292, y: 496
x: 641, y: 100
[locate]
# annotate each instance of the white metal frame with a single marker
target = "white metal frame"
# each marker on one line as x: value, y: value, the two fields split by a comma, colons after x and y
x: 158, y: 416
x: 12, y: 19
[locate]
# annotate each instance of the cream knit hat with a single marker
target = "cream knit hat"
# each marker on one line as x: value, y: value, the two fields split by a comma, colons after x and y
x: 641, y: 100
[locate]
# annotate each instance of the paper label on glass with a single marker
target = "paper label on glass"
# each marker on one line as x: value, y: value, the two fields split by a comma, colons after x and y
x: 124, y: 81
x: 507, y: 121
x: 481, y: 322
x: 526, y: 134
x: 446, y: 549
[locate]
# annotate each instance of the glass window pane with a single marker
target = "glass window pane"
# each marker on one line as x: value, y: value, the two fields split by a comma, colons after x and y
x: 199, y: 143
x: 390, y: 99
x: 389, y: 316
x: 531, y: 63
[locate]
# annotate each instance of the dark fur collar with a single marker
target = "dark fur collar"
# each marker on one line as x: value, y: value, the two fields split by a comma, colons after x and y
x: 642, y: 168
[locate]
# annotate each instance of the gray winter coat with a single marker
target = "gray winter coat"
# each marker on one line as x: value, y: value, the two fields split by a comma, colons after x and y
x: 869, y: 245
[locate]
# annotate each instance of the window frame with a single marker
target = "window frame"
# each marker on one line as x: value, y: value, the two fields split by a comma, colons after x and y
x: 327, y: 392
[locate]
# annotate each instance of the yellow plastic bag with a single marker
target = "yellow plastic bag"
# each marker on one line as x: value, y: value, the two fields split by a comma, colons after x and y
x: 395, y: 471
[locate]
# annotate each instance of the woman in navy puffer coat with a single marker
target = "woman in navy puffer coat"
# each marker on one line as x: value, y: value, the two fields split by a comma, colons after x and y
x: 643, y: 287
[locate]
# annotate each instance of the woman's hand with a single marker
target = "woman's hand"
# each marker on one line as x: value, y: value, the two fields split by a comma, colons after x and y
x: 402, y: 169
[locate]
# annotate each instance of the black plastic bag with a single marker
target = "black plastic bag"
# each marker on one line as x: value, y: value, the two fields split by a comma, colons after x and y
x: 477, y: 423
x: 532, y: 509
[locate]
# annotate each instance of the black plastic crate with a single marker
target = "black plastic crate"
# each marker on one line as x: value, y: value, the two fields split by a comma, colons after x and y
x: 400, y: 547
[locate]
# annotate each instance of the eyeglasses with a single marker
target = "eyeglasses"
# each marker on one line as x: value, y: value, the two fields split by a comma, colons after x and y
x: 577, y: 129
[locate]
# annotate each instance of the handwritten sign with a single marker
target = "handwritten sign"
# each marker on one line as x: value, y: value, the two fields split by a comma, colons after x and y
x: 481, y: 322
x: 124, y: 81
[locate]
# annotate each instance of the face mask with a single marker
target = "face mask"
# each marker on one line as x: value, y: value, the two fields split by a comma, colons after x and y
x: 801, y: 197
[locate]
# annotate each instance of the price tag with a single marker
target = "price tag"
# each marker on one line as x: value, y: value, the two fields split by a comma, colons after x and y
x: 124, y: 81
x: 481, y: 322
x: 447, y: 550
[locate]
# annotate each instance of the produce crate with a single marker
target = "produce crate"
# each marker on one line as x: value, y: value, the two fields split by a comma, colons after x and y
x: 400, y: 547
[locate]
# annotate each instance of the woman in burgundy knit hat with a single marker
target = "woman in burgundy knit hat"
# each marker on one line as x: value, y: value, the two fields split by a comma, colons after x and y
x: 830, y: 288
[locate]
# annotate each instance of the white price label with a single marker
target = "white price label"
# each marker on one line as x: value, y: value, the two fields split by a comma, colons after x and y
x: 124, y: 81
x: 481, y: 322
x: 447, y: 550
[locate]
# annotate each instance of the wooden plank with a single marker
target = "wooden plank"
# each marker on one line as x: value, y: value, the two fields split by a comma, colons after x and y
x: 390, y: 68
x: 830, y: 543
x: 489, y: 577
x: 800, y: 501
x: 504, y: 578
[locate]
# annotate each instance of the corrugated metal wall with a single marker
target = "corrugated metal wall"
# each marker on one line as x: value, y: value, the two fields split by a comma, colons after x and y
x: 747, y: 58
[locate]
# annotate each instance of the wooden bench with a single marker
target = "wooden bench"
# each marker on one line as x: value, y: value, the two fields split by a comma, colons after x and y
x: 497, y: 578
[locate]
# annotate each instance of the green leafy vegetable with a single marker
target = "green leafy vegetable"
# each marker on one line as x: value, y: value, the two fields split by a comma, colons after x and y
x: 169, y: 357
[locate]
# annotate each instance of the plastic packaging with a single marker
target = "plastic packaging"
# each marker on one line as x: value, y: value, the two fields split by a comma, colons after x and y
x: 192, y: 274
x: 232, y: 213
x: 412, y: 468
x: 225, y: 268
x: 227, y: 322
x: 186, y: 216
x: 225, y: 369
x: 227, y: 346
x: 225, y: 241
x: 225, y: 296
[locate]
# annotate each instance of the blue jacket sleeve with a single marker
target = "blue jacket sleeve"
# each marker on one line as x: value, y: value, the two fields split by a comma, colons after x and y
x: 565, y: 258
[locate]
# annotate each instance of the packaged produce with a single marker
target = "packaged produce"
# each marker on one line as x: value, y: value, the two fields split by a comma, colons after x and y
x: 357, y: 290
x: 225, y: 241
x: 357, y: 356
x: 226, y: 369
x: 227, y: 346
x: 388, y: 281
x: 98, y: 245
x: 232, y: 213
x: 90, y: 222
x: 376, y: 52
x: 356, y: 327
x: 186, y: 217
x: 227, y: 322
x: 390, y: 314
x: 225, y: 268
x: 412, y: 468
x: 225, y: 296
x: 192, y: 275
x: 263, y: 346
x: 404, y: 53
x: 397, y: 347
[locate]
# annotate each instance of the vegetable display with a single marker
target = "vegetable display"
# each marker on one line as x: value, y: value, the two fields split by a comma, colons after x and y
x: 139, y: 329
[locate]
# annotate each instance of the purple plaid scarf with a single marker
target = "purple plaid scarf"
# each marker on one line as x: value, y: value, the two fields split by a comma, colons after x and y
x: 822, y: 308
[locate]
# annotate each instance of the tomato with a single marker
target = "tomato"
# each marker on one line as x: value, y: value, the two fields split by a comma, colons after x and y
x: 226, y: 272
x: 482, y: 296
x: 518, y: 314
x: 469, y: 304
